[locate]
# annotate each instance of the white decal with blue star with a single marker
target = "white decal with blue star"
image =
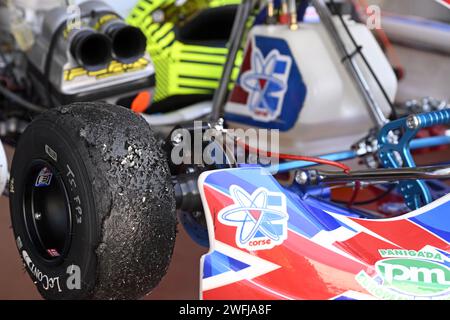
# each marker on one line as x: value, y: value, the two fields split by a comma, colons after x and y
x: 261, y: 218
x: 270, y: 91
x: 267, y: 83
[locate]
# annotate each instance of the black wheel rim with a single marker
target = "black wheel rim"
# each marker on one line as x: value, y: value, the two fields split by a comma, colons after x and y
x: 46, y: 209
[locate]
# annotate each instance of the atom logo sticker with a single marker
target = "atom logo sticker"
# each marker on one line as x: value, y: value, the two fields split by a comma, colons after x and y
x: 261, y: 218
x: 266, y: 83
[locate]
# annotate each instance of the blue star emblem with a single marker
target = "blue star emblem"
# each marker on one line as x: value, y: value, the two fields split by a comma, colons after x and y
x: 266, y: 84
x: 255, y: 218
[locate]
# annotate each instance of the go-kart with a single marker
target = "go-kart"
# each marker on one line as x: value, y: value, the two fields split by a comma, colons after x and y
x: 95, y: 191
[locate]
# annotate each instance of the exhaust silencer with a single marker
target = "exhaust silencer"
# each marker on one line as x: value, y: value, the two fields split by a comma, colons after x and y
x: 128, y: 43
x: 91, y: 49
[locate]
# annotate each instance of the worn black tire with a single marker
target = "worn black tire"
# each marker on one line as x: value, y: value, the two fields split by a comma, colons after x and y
x: 121, y: 200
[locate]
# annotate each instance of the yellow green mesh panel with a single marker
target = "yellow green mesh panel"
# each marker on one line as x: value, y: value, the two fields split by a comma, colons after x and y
x: 181, y: 69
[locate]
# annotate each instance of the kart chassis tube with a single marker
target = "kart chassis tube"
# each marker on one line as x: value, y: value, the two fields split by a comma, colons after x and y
x: 372, y: 105
x: 315, y: 177
x: 187, y: 193
x: 237, y: 34
x: 350, y: 154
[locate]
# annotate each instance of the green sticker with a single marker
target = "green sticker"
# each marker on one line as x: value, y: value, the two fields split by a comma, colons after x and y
x: 414, y: 276
x: 408, y: 274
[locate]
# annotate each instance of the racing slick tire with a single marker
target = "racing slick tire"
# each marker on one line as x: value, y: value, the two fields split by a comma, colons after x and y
x: 92, y: 203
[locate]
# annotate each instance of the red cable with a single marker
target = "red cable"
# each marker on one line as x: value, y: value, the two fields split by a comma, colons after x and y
x: 339, y: 165
x: 354, y: 194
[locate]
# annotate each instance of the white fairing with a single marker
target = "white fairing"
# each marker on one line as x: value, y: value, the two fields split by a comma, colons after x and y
x: 334, y: 114
x: 4, y: 174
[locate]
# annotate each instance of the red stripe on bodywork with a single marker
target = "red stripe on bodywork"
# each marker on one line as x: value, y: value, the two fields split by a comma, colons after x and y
x: 216, y: 202
x: 238, y: 291
x: 404, y: 233
x: 364, y: 246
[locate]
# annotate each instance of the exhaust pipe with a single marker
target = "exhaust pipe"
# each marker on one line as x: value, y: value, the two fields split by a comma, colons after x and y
x: 128, y: 43
x: 91, y: 49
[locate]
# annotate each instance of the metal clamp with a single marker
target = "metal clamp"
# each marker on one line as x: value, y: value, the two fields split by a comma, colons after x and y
x: 395, y: 152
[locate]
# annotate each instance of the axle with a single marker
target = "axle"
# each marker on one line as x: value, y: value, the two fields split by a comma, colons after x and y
x: 315, y: 177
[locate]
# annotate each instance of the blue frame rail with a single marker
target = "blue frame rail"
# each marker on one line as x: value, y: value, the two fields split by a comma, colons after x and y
x: 347, y: 155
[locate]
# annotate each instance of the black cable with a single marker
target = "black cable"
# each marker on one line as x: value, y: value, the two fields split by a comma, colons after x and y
x: 375, y: 199
x: 358, y: 50
x: 21, y: 101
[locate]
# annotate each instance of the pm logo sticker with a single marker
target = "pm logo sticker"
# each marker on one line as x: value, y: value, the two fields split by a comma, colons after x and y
x: 409, y: 274
x: 260, y: 218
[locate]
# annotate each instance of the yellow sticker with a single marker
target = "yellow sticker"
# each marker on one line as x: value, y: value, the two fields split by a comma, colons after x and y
x: 114, y: 68
x: 104, y: 19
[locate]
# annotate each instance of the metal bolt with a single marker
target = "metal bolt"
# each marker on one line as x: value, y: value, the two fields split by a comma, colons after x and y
x: 412, y: 122
x: 301, y: 177
x: 158, y: 16
x: 37, y: 216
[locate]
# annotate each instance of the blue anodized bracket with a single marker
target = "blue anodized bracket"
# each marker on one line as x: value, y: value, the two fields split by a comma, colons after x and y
x: 395, y: 154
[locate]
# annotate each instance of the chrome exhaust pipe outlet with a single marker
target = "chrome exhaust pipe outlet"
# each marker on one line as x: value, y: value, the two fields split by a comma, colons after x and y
x: 128, y: 43
x: 91, y: 49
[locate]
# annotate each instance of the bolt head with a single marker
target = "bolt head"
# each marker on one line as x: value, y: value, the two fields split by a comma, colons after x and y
x: 301, y: 177
x: 158, y: 16
x: 37, y: 216
x: 412, y: 122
